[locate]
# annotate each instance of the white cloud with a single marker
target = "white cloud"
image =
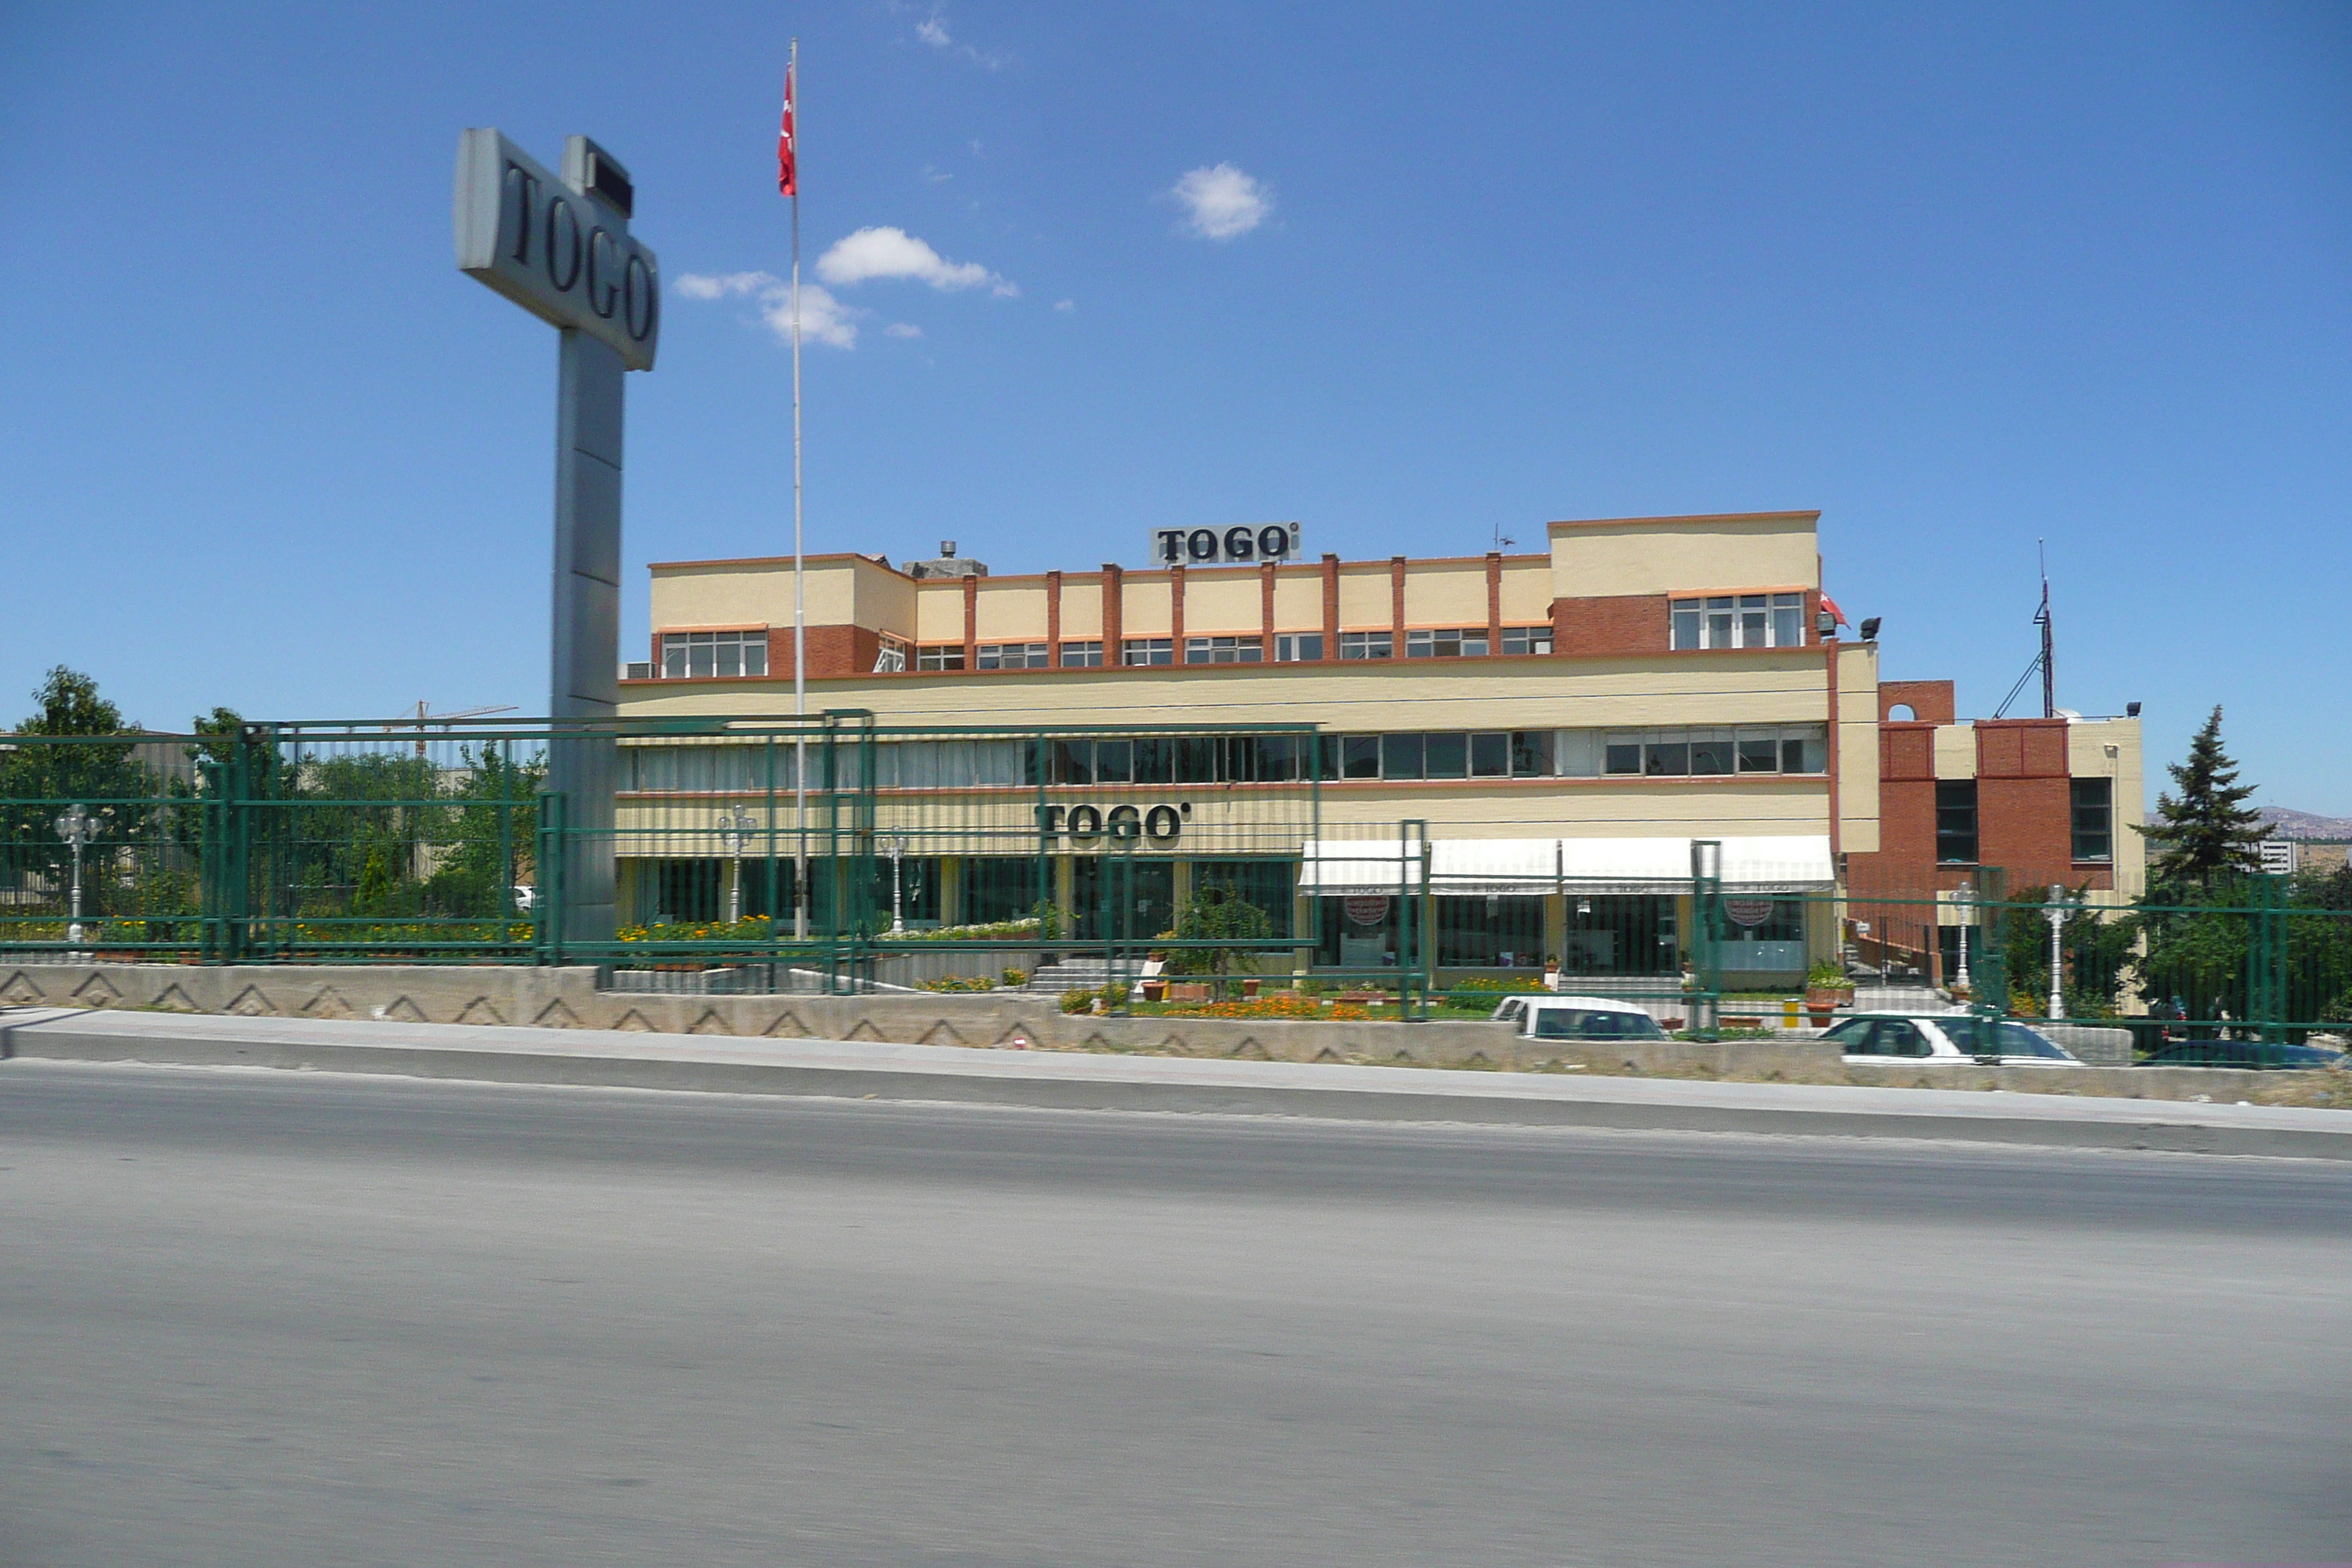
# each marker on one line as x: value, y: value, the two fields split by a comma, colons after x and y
x: 823, y: 318
x: 903, y: 329
x: 1222, y: 202
x: 933, y: 30
x: 1066, y: 304
x: 873, y: 253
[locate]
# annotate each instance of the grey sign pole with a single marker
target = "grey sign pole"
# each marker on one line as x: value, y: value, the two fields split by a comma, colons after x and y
x: 563, y: 250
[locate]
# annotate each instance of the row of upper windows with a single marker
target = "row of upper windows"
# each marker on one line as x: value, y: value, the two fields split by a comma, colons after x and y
x: 1289, y: 648
x: 1274, y: 758
x: 1740, y: 620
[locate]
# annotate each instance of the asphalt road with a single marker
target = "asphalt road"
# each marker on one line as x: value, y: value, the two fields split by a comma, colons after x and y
x: 261, y: 1318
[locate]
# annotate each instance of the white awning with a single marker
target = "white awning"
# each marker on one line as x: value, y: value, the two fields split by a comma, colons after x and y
x: 1476, y: 867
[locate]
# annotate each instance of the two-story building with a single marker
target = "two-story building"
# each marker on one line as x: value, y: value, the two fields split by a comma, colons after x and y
x: 1565, y: 724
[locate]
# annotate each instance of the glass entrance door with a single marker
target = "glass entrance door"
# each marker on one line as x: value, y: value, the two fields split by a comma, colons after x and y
x: 1122, y: 897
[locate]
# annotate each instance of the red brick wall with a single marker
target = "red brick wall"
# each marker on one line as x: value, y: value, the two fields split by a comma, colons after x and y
x: 1330, y: 606
x: 831, y: 650
x: 1931, y: 702
x: 1629, y: 622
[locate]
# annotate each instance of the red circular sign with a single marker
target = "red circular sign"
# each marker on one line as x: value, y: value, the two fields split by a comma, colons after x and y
x: 1367, y: 911
x: 1748, y: 911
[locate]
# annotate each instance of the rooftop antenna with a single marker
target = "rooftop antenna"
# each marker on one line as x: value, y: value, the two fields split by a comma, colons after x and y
x: 424, y: 716
x: 1502, y: 541
x: 2046, y: 661
x: 2049, y: 639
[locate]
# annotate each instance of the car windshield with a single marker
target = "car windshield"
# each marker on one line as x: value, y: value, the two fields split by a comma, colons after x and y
x: 2016, y: 1039
x: 1581, y: 1023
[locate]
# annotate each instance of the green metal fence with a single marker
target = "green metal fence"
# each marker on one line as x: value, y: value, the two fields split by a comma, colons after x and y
x: 838, y: 852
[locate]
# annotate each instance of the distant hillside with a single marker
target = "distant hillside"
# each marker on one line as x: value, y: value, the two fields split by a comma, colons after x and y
x: 2288, y: 823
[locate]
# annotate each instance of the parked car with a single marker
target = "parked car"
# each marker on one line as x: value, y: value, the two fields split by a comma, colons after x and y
x: 1578, y: 1018
x: 2260, y: 1055
x: 1944, y: 1037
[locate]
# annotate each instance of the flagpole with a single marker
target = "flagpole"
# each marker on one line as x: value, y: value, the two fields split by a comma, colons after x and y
x: 800, y: 575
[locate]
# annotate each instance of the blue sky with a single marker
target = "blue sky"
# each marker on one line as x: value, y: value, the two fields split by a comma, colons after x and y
x: 1961, y: 279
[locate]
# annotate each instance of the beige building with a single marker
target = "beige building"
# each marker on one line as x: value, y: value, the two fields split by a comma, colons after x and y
x: 1565, y: 724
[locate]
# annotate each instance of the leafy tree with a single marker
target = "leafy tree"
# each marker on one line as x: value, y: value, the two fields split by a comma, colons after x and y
x: 70, y: 705
x: 2206, y: 831
x: 1216, y: 912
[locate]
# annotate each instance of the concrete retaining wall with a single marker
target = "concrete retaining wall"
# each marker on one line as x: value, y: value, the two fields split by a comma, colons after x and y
x: 568, y: 998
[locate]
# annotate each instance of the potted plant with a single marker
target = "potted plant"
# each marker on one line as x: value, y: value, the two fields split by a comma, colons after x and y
x: 1826, y: 990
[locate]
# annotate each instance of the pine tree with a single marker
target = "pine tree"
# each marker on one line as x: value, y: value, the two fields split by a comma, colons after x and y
x: 2208, y: 831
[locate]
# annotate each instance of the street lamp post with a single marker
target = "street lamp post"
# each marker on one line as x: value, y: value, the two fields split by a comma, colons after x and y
x: 2056, y: 913
x: 736, y: 826
x: 1965, y: 895
x: 76, y: 827
x: 896, y: 845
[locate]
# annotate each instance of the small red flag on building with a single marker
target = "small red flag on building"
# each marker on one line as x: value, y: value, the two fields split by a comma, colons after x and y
x: 788, y: 162
x: 1832, y: 606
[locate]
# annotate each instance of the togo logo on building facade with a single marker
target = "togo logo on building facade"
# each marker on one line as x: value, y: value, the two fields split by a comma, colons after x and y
x: 1161, y: 825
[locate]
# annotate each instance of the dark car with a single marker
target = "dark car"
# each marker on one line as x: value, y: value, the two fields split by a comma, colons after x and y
x: 2265, y: 1055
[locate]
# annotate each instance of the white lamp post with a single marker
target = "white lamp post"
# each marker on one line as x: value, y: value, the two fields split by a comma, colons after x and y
x: 736, y: 826
x: 2056, y: 913
x: 1965, y: 896
x: 76, y: 827
x: 896, y: 845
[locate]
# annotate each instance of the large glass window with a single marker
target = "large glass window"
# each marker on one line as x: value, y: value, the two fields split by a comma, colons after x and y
x: 1297, y: 647
x: 1147, y: 650
x: 1738, y: 620
x: 1359, y: 757
x: 1531, y: 753
x: 1400, y: 756
x: 1011, y: 656
x: 2095, y: 819
x: 1082, y: 655
x: 1224, y: 650
x: 1467, y: 642
x: 1367, y: 644
x: 701, y: 655
x: 1681, y: 754
x: 1620, y: 935
x: 940, y: 656
x: 1490, y: 756
x: 1490, y: 932
x: 1956, y: 821
x: 1527, y: 640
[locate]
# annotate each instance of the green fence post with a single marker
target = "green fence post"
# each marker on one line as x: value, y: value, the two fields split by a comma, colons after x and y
x: 2266, y: 957
x: 1706, y: 997
x: 552, y: 834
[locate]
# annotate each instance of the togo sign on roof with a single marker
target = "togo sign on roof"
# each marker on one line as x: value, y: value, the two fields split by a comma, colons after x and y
x: 1248, y: 541
x: 559, y: 247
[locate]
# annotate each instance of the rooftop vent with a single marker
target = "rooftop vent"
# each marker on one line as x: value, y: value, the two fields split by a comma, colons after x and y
x: 948, y: 565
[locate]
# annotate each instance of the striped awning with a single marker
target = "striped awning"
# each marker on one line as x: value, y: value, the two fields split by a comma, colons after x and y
x: 1524, y: 866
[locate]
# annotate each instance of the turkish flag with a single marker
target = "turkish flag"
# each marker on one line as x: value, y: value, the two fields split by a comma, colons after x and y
x: 1832, y: 606
x: 788, y: 160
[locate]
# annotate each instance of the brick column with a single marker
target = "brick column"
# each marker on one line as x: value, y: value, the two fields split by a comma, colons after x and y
x: 1330, y: 606
x: 1493, y: 601
x: 971, y: 623
x: 1396, y: 603
x: 1266, y: 612
x: 1114, y: 606
x: 1053, y: 618
x: 1175, y: 615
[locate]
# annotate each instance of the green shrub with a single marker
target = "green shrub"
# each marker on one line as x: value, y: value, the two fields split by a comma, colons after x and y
x: 1013, y: 979
x: 1827, y: 974
x: 1079, y: 1000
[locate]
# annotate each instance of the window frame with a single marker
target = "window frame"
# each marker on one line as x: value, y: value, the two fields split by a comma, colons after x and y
x: 1368, y: 644
x: 1089, y: 654
x: 1948, y: 812
x: 748, y: 645
x: 2104, y: 835
x: 1158, y: 653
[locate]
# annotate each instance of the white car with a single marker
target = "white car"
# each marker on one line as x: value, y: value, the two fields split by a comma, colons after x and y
x: 1542, y: 1017
x: 1943, y: 1038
